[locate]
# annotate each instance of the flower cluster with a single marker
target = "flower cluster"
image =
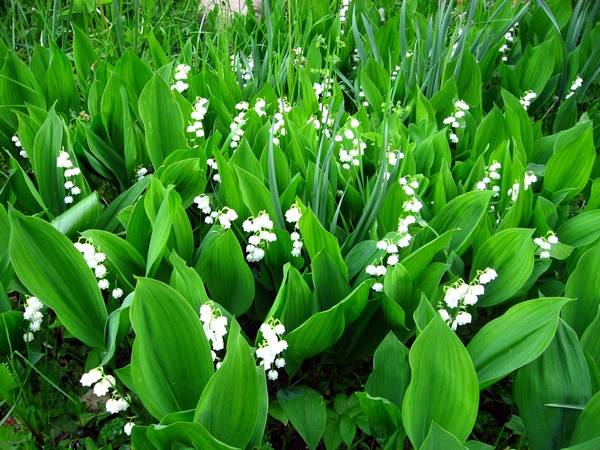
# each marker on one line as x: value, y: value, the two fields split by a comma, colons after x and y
x: 198, y: 113
x: 19, y: 146
x: 325, y: 122
x: 410, y: 186
x: 210, y: 162
x: 128, y: 427
x: 490, y: 179
x: 260, y: 228
x: 391, y: 247
x: 352, y: 147
x: 505, y: 48
x: 355, y: 58
x: 95, y: 262
x: 181, y: 76
x: 460, y: 295
x: 527, y: 98
x: 237, y: 126
x: 362, y: 96
x: 395, y: 73
x: 528, y: 180
x: 393, y: 156
x: 299, y: 59
x: 343, y: 14
x: 223, y: 217
x: 33, y: 314
x: 293, y: 215
x: 454, y: 119
x: 270, y: 349
x: 215, y: 328
x: 545, y: 244
x: 259, y: 107
x: 278, y: 126
x: 576, y: 85
x: 324, y: 90
x: 245, y: 66
x: 63, y: 161
x: 102, y: 385
x: 377, y: 270
x: 141, y: 173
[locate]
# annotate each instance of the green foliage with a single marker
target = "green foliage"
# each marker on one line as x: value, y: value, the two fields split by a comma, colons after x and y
x: 322, y: 224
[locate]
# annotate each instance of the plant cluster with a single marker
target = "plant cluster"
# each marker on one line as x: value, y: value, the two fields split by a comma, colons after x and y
x: 325, y: 224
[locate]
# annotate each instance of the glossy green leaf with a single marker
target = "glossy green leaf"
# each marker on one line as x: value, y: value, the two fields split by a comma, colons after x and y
x: 383, y: 417
x: 443, y: 387
x: 560, y: 375
x: 305, y: 409
x: 82, y: 215
x: 463, y: 214
x: 50, y: 179
x: 235, y: 384
x: 511, y: 254
x: 171, y: 361
x: 316, y: 239
x: 163, y: 122
x: 323, y: 329
x: 391, y: 372
x: 52, y: 269
x: 515, y: 338
x: 440, y: 439
x: 123, y: 260
x: 228, y: 278
x: 570, y: 166
x: 183, y: 435
x: 588, y: 424
x: 584, y: 285
x: 187, y: 282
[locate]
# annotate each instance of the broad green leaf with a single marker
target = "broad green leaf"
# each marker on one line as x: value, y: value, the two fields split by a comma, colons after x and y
x: 560, y: 375
x: 170, y: 361
x: 163, y: 122
x: 317, y: 239
x: 511, y: 254
x: 82, y: 215
x: 123, y: 260
x: 187, y: 282
x: 305, y: 409
x: 323, y: 329
x: 12, y: 327
x: 391, y: 372
x: 515, y: 338
x: 228, y: 278
x: 188, y: 176
x: 569, y: 168
x: 384, y: 417
x: 50, y: 179
x: 109, y: 218
x: 588, y: 424
x: 256, y: 196
x: 182, y: 435
x: 583, y: 229
x: 418, y: 260
x: 584, y: 285
x: 52, y: 269
x: 234, y: 384
x: 440, y: 439
x: 161, y: 230
x: 83, y: 53
x: 463, y: 214
x: 294, y: 302
x: 329, y: 281
x: 60, y: 82
x: 443, y: 387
